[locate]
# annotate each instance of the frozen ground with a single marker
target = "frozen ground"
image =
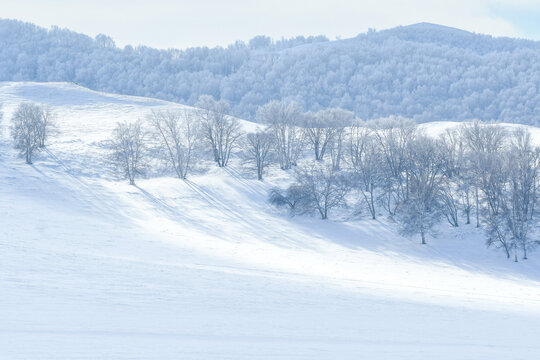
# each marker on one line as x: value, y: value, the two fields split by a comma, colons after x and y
x: 92, y: 268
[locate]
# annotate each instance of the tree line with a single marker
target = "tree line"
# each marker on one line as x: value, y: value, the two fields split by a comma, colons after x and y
x: 474, y: 173
x: 477, y: 172
x: 420, y: 72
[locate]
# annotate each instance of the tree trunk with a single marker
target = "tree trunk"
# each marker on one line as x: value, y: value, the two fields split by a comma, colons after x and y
x: 477, y: 210
x: 372, y: 205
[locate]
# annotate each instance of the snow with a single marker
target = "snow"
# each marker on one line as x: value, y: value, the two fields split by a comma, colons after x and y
x: 92, y: 268
x: 437, y: 128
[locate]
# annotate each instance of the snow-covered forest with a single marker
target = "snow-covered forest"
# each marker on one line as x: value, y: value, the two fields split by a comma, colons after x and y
x: 424, y: 72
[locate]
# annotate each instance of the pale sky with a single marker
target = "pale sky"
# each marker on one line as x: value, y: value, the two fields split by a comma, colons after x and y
x: 183, y: 23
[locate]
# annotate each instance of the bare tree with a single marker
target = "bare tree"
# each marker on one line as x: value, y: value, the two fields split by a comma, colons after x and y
x: 524, y: 162
x: 481, y: 140
x: 221, y: 131
x: 493, y: 172
x: 178, y: 133
x: 318, y: 132
x: 364, y: 157
x: 283, y: 120
x: 318, y: 188
x: 294, y: 197
x: 465, y: 191
x: 420, y: 210
x: 259, y: 145
x: 393, y: 136
x: 338, y: 120
x: 450, y: 205
x: 46, y: 126
x: 25, y: 129
x: 129, y: 149
x: 324, y: 187
x: 452, y: 149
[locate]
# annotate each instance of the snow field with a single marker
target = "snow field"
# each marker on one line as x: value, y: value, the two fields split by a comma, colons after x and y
x: 92, y: 268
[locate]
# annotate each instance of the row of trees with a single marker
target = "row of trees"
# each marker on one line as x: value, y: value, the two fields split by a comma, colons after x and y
x: 475, y: 172
x: 177, y: 137
x: 476, y: 169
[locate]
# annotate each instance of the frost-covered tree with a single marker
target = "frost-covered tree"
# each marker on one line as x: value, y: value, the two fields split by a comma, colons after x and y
x: 283, y: 119
x: 46, y: 126
x: 338, y: 121
x: 494, y: 172
x: 325, y: 188
x: 476, y: 164
x: 259, y: 147
x: 524, y: 161
x: 178, y: 133
x: 483, y: 142
x: 365, y: 160
x: 452, y: 150
x: 318, y: 188
x: 29, y: 129
x: 422, y: 72
x: 393, y: 136
x: 220, y: 130
x: 489, y: 173
x: 458, y: 170
x: 128, y: 147
x: 318, y: 131
x: 420, y: 211
x: 295, y: 197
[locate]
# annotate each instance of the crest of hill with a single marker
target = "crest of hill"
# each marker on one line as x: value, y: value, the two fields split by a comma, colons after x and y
x: 453, y: 37
x: 424, y: 71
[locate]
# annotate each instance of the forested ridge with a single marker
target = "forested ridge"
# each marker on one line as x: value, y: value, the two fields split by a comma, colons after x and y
x: 424, y: 72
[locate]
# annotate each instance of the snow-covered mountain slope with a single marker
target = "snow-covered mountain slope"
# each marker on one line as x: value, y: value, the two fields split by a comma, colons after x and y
x: 92, y: 268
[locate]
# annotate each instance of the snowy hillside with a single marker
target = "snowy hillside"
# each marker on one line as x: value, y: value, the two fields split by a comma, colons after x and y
x: 92, y: 268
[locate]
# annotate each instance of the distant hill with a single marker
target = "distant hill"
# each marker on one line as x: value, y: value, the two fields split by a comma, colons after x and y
x: 424, y: 71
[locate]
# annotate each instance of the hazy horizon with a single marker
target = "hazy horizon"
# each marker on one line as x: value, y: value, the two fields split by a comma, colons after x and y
x: 184, y: 24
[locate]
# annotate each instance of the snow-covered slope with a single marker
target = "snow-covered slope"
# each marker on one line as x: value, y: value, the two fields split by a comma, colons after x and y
x: 437, y: 128
x: 92, y: 268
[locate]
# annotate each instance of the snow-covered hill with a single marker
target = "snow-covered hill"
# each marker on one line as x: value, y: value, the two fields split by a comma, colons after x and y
x: 422, y: 71
x: 92, y: 268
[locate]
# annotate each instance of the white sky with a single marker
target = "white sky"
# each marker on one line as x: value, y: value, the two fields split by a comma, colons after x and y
x: 183, y: 23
